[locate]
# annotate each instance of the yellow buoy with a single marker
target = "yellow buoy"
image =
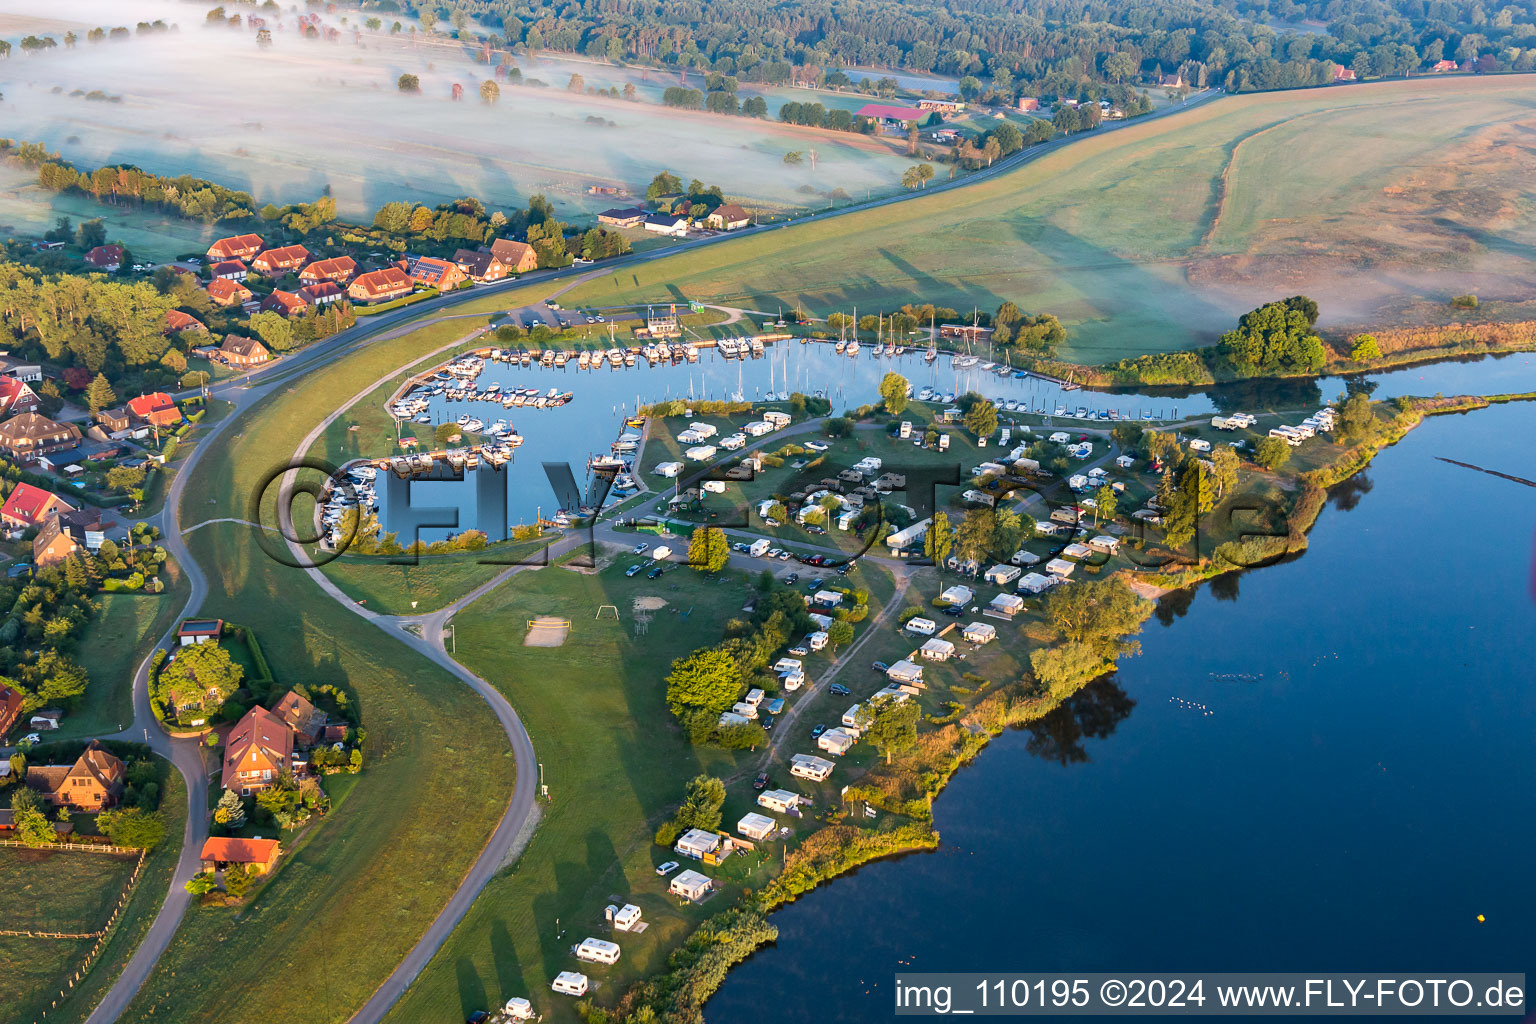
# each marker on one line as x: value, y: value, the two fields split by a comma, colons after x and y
x: 1480, y: 919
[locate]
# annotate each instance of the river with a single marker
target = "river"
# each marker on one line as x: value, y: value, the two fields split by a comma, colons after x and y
x: 603, y: 397
x: 1322, y: 765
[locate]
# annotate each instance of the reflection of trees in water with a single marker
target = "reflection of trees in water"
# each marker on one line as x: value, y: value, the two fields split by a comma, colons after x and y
x: 1252, y: 395
x: 1091, y: 713
x: 1225, y: 587
x: 1359, y: 384
x: 1346, y: 494
x: 1174, y: 605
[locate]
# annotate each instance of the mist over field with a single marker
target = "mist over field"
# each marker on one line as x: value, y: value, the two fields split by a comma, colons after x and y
x: 286, y: 121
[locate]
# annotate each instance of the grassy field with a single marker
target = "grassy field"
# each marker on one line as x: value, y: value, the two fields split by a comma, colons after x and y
x: 350, y: 902
x: 1374, y: 199
x: 432, y: 582
x: 110, y: 649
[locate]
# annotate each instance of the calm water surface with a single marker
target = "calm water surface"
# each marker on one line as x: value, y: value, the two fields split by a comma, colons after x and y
x: 1360, y: 791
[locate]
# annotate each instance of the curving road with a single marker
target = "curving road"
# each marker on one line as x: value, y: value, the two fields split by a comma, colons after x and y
x: 422, y: 633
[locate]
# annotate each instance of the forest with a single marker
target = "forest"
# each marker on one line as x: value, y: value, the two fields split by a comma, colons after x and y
x: 1003, y: 49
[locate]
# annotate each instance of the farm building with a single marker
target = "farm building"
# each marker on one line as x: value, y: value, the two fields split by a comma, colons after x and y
x: 258, y: 855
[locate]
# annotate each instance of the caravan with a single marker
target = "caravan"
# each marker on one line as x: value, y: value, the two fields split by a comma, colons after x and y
x: 569, y: 983
x: 597, y: 951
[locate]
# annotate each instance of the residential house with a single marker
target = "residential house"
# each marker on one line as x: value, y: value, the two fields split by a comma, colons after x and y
x: 286, y: 303
x: 17, y: 396
x: 176, y: 320
x: 156, y: 409
x: 322, y: 293
x: 31, y: 434
x: 431, y: 272
x: 1342, y: 73
x: 259, y: 855
x: 274, y: 262
x: 257, y: 752
x: 625, y: 217
x: 116, y: 422
x: 199, y: 631
x: 481, y: 265
x: 238, y: 351
x: 224, y: 292
x: 381, y: 285
x: 339, y: 269
x: 32, y: 373
x: 517, y: 257
x: 10, y: 708
x: 66, y: 534
x: 92, y: 783
x: 106, y: 257
x: 236, y: 247
x: 728, y: 218
x: 667, y: 224
x: 1173, y: 81
x: 307, y: 721
x: 228, y: 270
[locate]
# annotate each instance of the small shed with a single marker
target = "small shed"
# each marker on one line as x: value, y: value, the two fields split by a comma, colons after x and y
x: 980, y: 632
x: 756, y: 826
x: 690, y: 885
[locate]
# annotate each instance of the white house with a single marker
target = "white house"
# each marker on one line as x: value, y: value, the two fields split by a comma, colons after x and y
x: 914, y: 533
x: 1002, y: 575
x: 756, y: 826
x: 809, y: 766
x: 697, y: 844
x: 1005, y: 606
x: 667, y: 224
x: 905, y: 672
x: 937, y: 650
x: 921, y: 626
x: 690, y: 885
x: 1034, y: 583
x: 1060, y: 567
x: 958, y: 595
x: 979, y: 632
x: 668, y: 469
x: 781, y: 800
x: 836, y: 742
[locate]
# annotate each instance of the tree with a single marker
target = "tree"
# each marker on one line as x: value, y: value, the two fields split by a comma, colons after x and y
x: 708, y: 550
x: 576, y: 84
x: 1106, y: 503
x: 664, y: 184
x: 1272, y: 453
x: 231, y: 810
x: 893, y: 725
x: 490, y: 91
x: 1357, y: 421
x: 125, y: 478
x: 706, y: 680
x: 99, y: 394
x: 893, y: 392
x: 939, y: 540
x: 1226, y: 462
x: 201, y: 883
x: 91, y: 233
x: 1099, y: 614
x: 1275, y: 338
x: 981, y: 418
x: 428, y: 19
x: 1066, y: 668
x: 201, y: 676
x: 274, y: 329
x: 34, y: 829
x: 408, y: 83
x: 445, y: 434
x: 911, y: 178
x: 132, y: 827
x: 975, y: 536
x: 794, y: 157
x: 1365, y: 348
x: 702, y: 800
x: 839, y: 634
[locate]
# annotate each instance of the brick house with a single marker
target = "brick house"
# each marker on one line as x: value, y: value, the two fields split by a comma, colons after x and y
x: 307, y: 721
x: 10, y: 708
x: 480, y: 266
x: 381, y: 285
x: 228, y: 293
x: 286, y: 303
x: 31, y: 506
x: 256, y: 753
x: 31, y: 434
x: 62, y: 535
x: 340, y: 269
x: 229, y: 270
x: 176, y: 320
x: 518, y: 257
x: 17, y: 396
x: 431, y: 272
x: 92, y: 783
x: 236, y: 247
x: 280, y: 261
x: 155, y: 409
x: 322, y: 293
x: 238, y: 351
x: 106, y: 257
x: 115, y: 421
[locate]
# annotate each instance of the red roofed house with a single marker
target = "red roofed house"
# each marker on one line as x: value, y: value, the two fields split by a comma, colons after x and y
x: 519, y: 257
x: 228, y: 293
x: 258, y: 750
x: 728, y: 218
x: 237, y: 247
x: 1343, y: 74
x: 306, y: 720
x: 480, y: 266
x: 257, y: 854
x: 890, y: 115
x: 435, y: 273
x: 10, y: 709
x: 1028, y: 103
x: 281, y: 261
x: 1445, y: 65
x: 238, y: 351
x: 31, y: 506
x: 321, y: 293
x: 380, y: 285
x: 176, y: 320
x: 92, y: 783
x: 105, y: 257
x: 339, y: 269
x: 283, y: 302
x: 156, y: 409
x: 229, y: 270
x: 16, y: 396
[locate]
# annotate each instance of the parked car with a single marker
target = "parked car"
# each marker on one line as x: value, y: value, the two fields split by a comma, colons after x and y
x: 782, y: 556
x: 478, y: 1017
x: 817, y: 446
x: 955, y: 611
x: 815, y: 531
x: 838, y: 690
x: 800, y: 650
x: 767, y: 724
x: 879, y: 666
x: 761, y: 782
x: 641, y: 548
x: 633, y: 569
x: 815, y: 584
x: 655, y: 572
x: 792, y: 579
x: 842, y: 570
x: 817, y: 731
x: 667, y: 868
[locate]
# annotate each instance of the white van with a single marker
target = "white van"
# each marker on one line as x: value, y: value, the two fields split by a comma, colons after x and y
x: 597, y: 951
x: 569, y: 983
